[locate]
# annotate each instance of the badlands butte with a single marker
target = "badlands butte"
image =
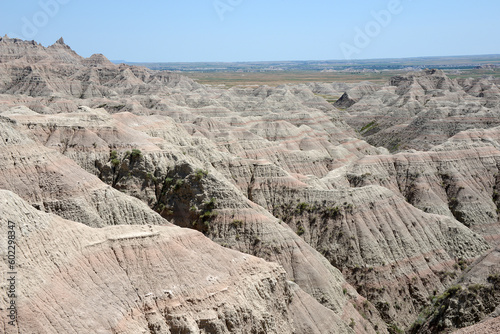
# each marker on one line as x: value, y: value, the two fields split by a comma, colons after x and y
x: 145, y: 202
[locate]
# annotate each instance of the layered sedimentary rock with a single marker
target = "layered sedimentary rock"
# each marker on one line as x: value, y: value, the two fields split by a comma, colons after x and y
x: 54, y: 183
x: 420, y: 109
x: 181, y: 187
x: 144, y: 279
x: 490, y: 326
x: 178, y: 187
x: 457, y: 179
x: 474, y: 298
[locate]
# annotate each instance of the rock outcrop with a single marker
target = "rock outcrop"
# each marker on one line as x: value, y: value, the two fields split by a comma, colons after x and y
x: 420, y: 110
x: 144, y: 279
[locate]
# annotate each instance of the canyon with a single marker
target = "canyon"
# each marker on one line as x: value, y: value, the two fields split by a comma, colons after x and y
x: 145, y: 202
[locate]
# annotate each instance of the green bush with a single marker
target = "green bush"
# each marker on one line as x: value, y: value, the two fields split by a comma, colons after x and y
x: 200, y: 174
x: 136, y: 154
x: 210, y: 204
x: 301, y: 207
x: 300, y: 230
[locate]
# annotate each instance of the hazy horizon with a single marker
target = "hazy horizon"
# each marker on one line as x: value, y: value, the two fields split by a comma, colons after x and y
x: 251, y: 31
x: 310, y: 60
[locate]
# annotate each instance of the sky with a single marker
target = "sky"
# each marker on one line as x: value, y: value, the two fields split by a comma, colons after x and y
x: 258, y: 30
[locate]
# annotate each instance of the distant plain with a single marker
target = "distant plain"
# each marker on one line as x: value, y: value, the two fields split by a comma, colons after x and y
x: 275, y: 73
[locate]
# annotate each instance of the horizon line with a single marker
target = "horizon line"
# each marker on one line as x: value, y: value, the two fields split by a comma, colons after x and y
x: 310, y: 60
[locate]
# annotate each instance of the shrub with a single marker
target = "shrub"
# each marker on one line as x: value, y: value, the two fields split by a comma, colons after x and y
x: 301, y: 207
x: 450, y: 292
x: 476, y: 287
x: 115, y: 162
x: 462, y: 263
x: 300, y: 230
x: 200, y: 174
x: 236, y: 223
x: 331, y: 212
x: 136, y: 154
x: 210, y: 204
x: 394, y: 329
x: 208, y: 214
x: 494, y: 278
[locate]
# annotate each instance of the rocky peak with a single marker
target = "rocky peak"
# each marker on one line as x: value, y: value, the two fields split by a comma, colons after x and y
x: 97, y: 59
x: 60, y: 44
x: 30, y: 52
x: 428, y: 79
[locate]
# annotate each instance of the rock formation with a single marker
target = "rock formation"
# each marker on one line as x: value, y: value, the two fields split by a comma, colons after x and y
x: 360, y: 239
x: 145, y: 279
x: 474, y: 298
x: 420, y: 110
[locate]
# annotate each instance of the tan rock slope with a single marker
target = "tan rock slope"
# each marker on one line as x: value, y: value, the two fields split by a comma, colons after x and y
x: 54, y: 183
x: 72, y: 135
x: 145, y: 279
x: 415, y: 271
x: 491, y: 326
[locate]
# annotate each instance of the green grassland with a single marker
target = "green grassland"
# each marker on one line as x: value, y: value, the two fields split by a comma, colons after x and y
x: 230, y: 79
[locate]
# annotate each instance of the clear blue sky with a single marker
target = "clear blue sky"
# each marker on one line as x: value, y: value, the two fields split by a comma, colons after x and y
x: 251, y: 30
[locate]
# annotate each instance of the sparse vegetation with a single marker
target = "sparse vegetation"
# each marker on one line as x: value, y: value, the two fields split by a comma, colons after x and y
x: 331, y: 212
x: 300, y: 230
x: 178, y: 184
x: 200, y: 174
x: 208, y: 212
x: 394, y: 329
x: 369, y: 126
x: 237, y: 223
x: 135, y: 154
x: 302, y: 207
